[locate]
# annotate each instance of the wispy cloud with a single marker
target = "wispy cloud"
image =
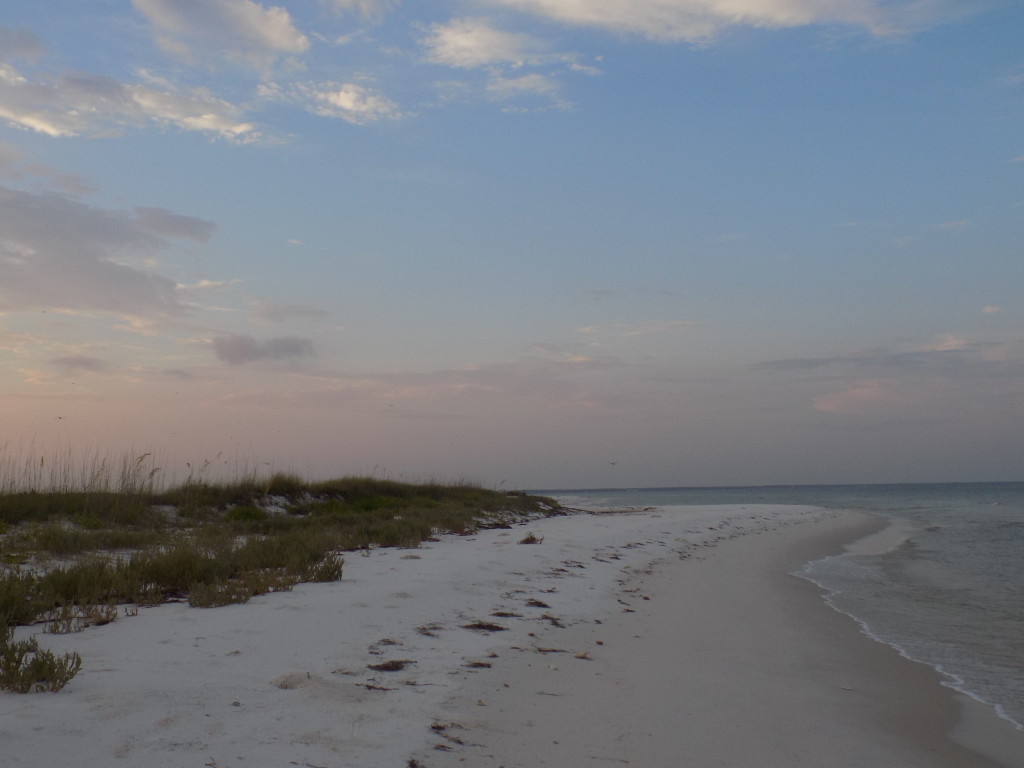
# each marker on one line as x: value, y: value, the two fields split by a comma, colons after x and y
x: 628, y: 330
x: 14, y: 166
x: 476, y: 44
x: 59, y: 253
x: 859, y: 397
x: 926, y: 382
x: 351, y: 102
x: 75, y: 103
x: 471, y: 43
x: 370, y: 9
x: 548, y: 383
x: 701, y: 20
x: 239, y: 349
x: 947, y: 351
x: 79, y: 364
x: 19, y: 43
x: 208, y: 285
x: 268, y: 312
x: 534, y: 83
x: 162, y: 222
x: 209, y: 31
x: 946, y: 343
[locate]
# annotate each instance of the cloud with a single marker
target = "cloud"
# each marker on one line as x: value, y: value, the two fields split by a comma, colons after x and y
x: 13, y: 165
x: 195, y: 111
x: 945, y: 343
x: 861, y: 397
x: 20, y: 43
x: 238, y: 349
x: 270, y: 313
x: 350, y: 102
x: 991, y: 310
x: 551, y: 384
x: 167, y: 224
x: 240, y: 31
x: 701, y: 20
x: 79, y: 364
x: 627, y: 330
x: 475, y: 44
x: 930, y: 381
x: 471, y: 43
x: 177, y: 374
x: 370, y: 9
x: 74, y: 103
x: 949, y: 353
x: 208, y: 285
x: 59, y: 253
x: 514, y: 86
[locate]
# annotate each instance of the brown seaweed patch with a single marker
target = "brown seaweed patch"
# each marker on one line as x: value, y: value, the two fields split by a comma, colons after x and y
x: 484, y: 626
x: 395, y: 665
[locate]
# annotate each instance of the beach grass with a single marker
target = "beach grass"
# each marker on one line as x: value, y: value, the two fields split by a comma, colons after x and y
x: 70, y: 554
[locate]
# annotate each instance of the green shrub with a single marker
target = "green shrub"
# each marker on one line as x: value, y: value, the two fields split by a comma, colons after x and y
x: 70, y: 618
x: 24, y: 667
x: 216, y: 595
x: 328, y: 569
x: 246, y: 514
x: 17, y: 597
x: 282, y: 484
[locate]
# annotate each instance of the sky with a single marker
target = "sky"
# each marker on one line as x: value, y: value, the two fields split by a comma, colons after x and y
x: 524, y: 243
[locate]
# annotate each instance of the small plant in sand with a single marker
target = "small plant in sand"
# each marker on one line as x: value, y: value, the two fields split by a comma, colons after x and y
x: 24, y: 667
x: 66, y: 619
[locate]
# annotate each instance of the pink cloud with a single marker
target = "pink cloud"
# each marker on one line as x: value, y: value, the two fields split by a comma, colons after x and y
x: 861, y: 397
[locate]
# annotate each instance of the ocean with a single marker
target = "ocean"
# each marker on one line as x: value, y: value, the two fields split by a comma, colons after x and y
x: 949, y: 594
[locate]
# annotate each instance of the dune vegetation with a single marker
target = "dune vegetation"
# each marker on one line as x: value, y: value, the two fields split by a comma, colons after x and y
x: 82, y: 550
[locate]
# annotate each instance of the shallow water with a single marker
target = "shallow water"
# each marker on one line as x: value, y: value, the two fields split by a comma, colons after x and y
x: 950, y: 593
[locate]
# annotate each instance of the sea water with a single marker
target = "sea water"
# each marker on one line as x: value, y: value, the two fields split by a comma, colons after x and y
x: 949, y: 594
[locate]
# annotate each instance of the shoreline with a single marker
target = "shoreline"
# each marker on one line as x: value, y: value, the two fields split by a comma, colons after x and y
x: 732, y: 660
x: 487, y: 651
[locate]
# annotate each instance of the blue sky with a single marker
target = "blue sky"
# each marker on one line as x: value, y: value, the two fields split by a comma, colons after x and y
x: 535, y: 243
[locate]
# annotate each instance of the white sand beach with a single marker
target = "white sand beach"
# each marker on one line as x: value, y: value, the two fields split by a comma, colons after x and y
x: 664, y: 637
